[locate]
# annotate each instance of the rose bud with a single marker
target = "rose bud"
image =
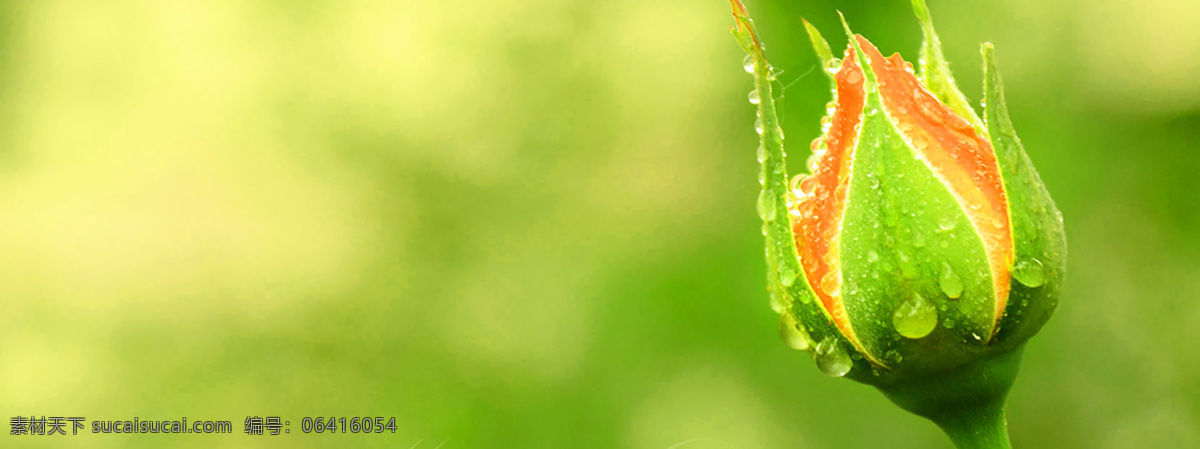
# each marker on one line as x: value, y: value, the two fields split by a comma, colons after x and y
x: 922, y: 250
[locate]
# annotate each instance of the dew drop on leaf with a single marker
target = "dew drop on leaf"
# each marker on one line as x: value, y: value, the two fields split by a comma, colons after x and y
x: 753, y: 97
x: 872, y: 256
x: 947, y: 222
x: 778, y: 300
x: 793, y: 333
x: 766, y: 205
x: 1029, y: 272
x: 951, y: 284
x: 834, y: 65
x: 748, y: 64
x: 832, y: 359
x: 915, y: 317
x: 787, y: 275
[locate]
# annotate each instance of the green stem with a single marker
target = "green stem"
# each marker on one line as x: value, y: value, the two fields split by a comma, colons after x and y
x: 979, y: 428
x: 967, y: 402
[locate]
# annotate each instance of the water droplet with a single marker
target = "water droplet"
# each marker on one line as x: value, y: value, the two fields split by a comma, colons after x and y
x: 1029, y: 272
x: 779, y: 130
x: 919, y: 143
x: 947, y: 222
x: 915, y: 317
x: 758, y: 126
x: 830, y: 284
x: 748, y: 64
x: 787, y: 275
x: 766, y: 205
x: 808, y: 185
x: 762, y: 153
x: 951, y: 284
x: 834, y: 65
x: 832, y: 359
x: 930, y: 110
x: 830, y: 257
x: 762, y: 176
x: 753, y: 97
x: 853, y: 77
x: 795, y: 186
x: 872, y: 256
x: 778, y: 300
x: 948, y: 323
x: 793, y: 333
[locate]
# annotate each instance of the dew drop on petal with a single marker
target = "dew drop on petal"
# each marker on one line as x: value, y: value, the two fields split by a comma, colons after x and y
x: 915, y: 317
x: 794, y: 185
x: 830, y: 284
x: 1029, y: 272
x: 832, y: 359
x: 930, y: 110
x: 919, y: 143
x: 853, y: 77
x: 808, y: 185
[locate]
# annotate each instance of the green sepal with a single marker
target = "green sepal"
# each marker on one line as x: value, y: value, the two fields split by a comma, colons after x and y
x: 1037, y: 226
x: 934, y: 71
x: 894, y: 226
x: 789, y: 288
x: 829, y: 64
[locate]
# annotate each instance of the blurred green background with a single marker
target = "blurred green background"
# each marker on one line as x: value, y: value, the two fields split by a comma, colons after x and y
x: 531, y: 223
